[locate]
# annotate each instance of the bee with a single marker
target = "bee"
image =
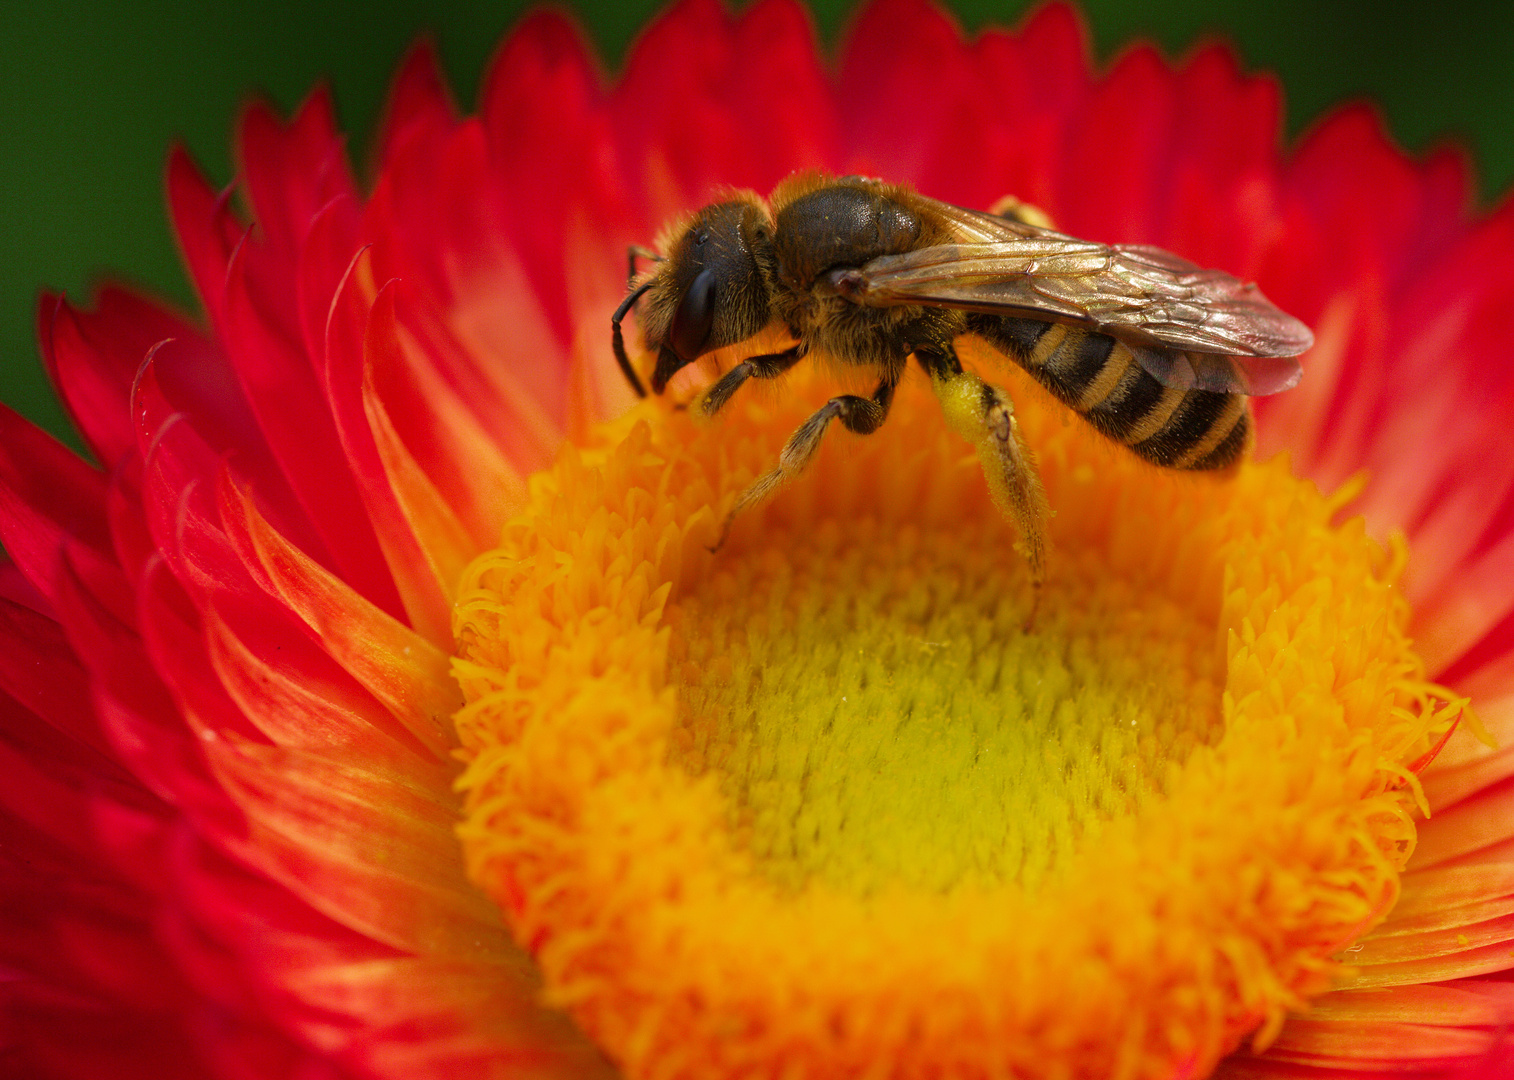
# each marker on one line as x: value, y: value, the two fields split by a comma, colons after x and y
x: 1155, y: 352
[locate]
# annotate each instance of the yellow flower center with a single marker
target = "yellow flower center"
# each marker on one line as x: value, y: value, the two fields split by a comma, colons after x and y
x: 875, y: 713
x: 819, y: 804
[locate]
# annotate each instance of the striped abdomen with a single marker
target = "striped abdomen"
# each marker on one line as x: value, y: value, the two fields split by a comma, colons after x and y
x: 1099, y: 378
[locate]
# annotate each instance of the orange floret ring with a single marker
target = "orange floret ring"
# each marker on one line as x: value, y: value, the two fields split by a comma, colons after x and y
x: 816, y: 805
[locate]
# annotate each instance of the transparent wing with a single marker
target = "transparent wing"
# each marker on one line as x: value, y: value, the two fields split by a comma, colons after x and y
x: 1255, y: 376
x: 1237, y: 339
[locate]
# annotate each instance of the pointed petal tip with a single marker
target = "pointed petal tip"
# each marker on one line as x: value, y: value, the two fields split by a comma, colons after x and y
x: 419, y: 103
x: 544, y: 40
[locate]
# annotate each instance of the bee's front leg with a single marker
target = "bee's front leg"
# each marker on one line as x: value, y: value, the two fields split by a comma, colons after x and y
x: 766, y: 366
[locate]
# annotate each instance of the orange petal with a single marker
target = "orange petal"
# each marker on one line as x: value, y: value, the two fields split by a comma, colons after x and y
x: 400, y: 668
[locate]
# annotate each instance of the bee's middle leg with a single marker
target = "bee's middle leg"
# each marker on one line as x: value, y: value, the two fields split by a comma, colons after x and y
x: 985, y: 416
x: 859, y: 414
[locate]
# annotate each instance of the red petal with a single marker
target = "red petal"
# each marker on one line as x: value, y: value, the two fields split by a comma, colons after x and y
x: 175, y: 500
x: 290, y: 404
x: 1363, y: 229
x: 174, y: 505
x: 135, y: 711
x: 66, y: 1024
x: 1224, y: 159
x: 1042, y: 71
x: 475, y: 313
x: 400, y: 668
x: 1473, y: 824
x: 1347, y: 173
x: 373, y: 854
x: 598, y: 388
x: 14, y: 588
x: 429, y: 438
x: 38, y: 670
x: 419, y: 107
x: 482, y: 484
x: 888, y: 125
x: 353, y: 332
x: 1411, y: 1030
x: 52, y: 780
x: 293, y: 172
x: 394, y: 1016
x: 472, y: 1017
x: 175, y: 642
x: 92, y: 358
x: 243, y: 941
x: 303, y: 704
x: 699, y: 107
x: 1124, y: 139
x: 47, y: 494
x: 546, y: 162
x: 324, y: 262
x: 206, y: 229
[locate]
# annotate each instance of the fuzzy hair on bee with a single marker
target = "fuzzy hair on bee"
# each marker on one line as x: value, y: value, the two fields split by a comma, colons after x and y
x: 1155, y: 352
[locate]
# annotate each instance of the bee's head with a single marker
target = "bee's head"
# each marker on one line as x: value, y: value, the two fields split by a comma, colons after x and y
x: 711, y: 290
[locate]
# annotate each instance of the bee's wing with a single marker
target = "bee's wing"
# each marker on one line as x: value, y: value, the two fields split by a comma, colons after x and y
x: 1154, y: 301
x: 1255, y: 376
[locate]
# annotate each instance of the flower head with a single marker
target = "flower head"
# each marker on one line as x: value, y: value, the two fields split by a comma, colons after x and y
x: 378, y: 709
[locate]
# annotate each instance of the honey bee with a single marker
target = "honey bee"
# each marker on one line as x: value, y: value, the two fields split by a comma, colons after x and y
x: 1155, y: 352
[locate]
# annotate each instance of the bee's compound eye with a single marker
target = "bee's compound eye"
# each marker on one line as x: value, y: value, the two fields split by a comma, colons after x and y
x: 694, y: 317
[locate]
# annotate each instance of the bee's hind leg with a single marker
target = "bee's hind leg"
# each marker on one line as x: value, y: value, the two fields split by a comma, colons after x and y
x: 985, y: 416
x: 859, y: 414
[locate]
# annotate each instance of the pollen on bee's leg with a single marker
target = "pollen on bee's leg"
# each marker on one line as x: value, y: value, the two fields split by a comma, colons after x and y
x: 1012, y: 208
x: 985, y: 416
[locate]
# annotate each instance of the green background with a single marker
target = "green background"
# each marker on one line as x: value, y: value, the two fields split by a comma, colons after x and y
x: 92, y: 94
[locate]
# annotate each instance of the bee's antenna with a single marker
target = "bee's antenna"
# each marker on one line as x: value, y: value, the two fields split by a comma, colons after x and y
x: 618, y: 343
x: 634, y: 252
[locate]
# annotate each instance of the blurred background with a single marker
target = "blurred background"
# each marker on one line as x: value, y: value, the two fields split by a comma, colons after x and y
x: 92, y: 92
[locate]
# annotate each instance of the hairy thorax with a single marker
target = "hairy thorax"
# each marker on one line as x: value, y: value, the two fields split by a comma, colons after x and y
x: 852, y: 335
x: 824, y: 226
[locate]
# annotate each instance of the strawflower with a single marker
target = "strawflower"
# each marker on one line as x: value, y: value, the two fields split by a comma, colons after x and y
x: 374, y: 706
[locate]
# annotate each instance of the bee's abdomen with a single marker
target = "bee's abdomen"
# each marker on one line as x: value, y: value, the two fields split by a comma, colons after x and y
x: 1099, y: 378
